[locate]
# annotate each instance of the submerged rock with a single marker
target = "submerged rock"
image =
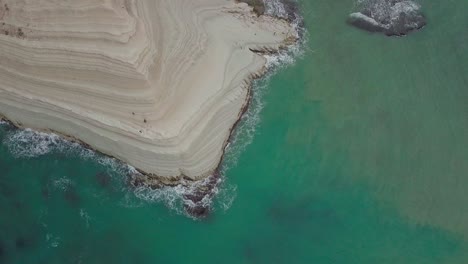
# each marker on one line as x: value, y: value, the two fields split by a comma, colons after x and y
x: 72, y: 197
x: 196, y: 196
x: 20, y: 243
x: 392, y: 17
x: 103, y: 179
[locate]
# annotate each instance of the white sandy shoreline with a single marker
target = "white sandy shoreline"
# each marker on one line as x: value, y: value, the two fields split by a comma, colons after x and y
x: 167, y: 107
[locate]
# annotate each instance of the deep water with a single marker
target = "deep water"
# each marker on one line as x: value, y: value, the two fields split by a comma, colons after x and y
x: 358, y: 156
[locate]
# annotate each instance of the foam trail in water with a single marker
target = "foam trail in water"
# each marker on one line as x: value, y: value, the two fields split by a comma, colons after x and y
x: 52, y: 240
x: 28, y: 143
x: 85, y: 216
x: 275, y: 8
x: 176, y: 197
x: 246, y: 130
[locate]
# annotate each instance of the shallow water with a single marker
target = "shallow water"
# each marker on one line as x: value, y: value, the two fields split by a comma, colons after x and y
x: 358, y: 156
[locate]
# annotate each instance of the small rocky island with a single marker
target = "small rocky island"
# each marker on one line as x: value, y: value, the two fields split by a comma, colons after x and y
x: 391, y: 17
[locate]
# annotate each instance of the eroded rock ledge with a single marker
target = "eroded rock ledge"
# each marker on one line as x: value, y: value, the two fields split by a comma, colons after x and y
x: 157, y: 84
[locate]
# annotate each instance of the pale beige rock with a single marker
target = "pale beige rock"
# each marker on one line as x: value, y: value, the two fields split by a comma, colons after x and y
x: 155, y: 83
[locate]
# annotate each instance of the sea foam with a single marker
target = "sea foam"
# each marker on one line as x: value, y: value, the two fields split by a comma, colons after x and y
x: 28, y: 143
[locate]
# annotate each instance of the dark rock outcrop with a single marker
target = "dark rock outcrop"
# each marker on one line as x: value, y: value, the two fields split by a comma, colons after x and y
x: 391, y: 17
x: 258, y: 6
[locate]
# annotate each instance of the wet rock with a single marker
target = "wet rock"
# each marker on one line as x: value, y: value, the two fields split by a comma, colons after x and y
x: 391, y: 17
x: 291, y: 8
x: 258, y: 6
x: 364, y: 22
x: 195, y: 205
x: 196, y: 195
x: 288, y: 10
x: 198, y: 211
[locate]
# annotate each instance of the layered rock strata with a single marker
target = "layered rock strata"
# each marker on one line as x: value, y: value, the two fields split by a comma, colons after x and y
x: 157, y: 84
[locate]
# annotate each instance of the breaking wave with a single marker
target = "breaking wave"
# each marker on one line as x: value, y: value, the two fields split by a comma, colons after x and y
x: 175, y: 197
x: 245, y: 131
x: 225, y: 192
x: 28, y: 143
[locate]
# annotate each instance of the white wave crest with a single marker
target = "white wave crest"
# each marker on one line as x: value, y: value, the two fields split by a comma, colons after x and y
x: 244, y: 133
x: 275, y: 8
x: 28, y: 143
x: 177, y: 197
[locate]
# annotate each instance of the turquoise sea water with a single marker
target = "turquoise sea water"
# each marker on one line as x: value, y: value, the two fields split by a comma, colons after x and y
x: 359, y: 157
